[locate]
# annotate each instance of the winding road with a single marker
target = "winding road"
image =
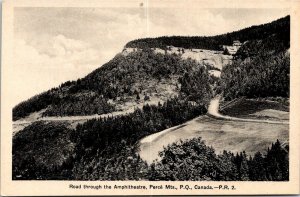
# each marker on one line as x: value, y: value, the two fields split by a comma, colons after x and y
x: 213, y: 110
x: 220, y: 131
x: 74, y: 120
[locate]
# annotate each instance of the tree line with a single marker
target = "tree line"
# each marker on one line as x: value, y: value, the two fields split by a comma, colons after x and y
x: 121, y: 78
x: 106, y: 149
x: 85, y: 104
x: 261, y: 76
x: 280, y: 26
x: 261, y: 68
x: 98, y: 140
x: 194, y: 161
x: 59, y: 153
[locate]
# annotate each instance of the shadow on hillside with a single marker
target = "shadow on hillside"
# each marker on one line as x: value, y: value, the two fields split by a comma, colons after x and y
x: 250, y: 106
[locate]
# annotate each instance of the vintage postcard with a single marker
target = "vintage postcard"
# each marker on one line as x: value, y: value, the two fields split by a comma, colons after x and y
x: 148, y: 97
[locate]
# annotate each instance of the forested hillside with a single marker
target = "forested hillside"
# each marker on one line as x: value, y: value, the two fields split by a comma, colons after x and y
x: 132, y: 78
x: 42, y: 150
x: 280, y: 26
x: 59, y: 102
x: 193, y: 160
x: 262, y: 76
x: 261, y: 68
x: 139, y: 75
x: 129, y: 75
x: 107, y: 145
x: 107, y: 148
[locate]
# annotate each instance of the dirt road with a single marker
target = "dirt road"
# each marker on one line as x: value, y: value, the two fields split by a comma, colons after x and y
x: 221, y: 132
x: 213, y: 110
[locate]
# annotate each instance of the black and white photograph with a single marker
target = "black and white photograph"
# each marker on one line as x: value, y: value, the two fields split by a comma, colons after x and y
x: 147, y: 93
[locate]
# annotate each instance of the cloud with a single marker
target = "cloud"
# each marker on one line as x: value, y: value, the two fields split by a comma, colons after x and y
x: 64, y: 46
x: 53, y: 45
x: 190, y: 22
x: 207, y: 22
x: 36, y: 71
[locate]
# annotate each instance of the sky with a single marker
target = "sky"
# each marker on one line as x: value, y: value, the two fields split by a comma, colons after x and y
x: 53, y: 45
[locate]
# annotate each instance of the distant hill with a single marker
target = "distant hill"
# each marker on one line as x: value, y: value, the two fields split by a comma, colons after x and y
x: 280, y: 27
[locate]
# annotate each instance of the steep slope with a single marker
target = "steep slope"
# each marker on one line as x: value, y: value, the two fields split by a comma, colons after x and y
x: 41, y: 150
x: 106, y: 147
x: 123, y: 82
x: 130, y: 79
x: 214, y: 60
x: 261, y: 69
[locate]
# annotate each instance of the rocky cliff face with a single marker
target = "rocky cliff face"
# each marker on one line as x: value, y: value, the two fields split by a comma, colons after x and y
x: 216, y: 60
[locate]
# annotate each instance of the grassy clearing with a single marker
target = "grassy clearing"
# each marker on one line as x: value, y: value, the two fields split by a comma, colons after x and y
x: 221, y: 135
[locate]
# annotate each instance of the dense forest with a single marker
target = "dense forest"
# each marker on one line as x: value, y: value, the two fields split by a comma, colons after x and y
x: 106, y: 148
x: 119, y: 76
x: 261, y: 69
x: 42, y: 150
x: 85, y: 104
x: 262, y: 76
x: 280, y: 26
x: 102, y: 150
x: 124, y: 77
x: 59, y: 103
x: 193, y: 160
x: 93, y: 146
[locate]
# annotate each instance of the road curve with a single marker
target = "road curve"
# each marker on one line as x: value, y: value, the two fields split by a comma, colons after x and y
x: 213, y: 110
x: 219, y: 131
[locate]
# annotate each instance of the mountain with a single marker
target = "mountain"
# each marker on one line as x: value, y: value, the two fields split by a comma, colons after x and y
x: 144, y: 75
x: 139, y: 77
x: 280, y: 27
x: 154, y: 86
x: 261, y: 68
